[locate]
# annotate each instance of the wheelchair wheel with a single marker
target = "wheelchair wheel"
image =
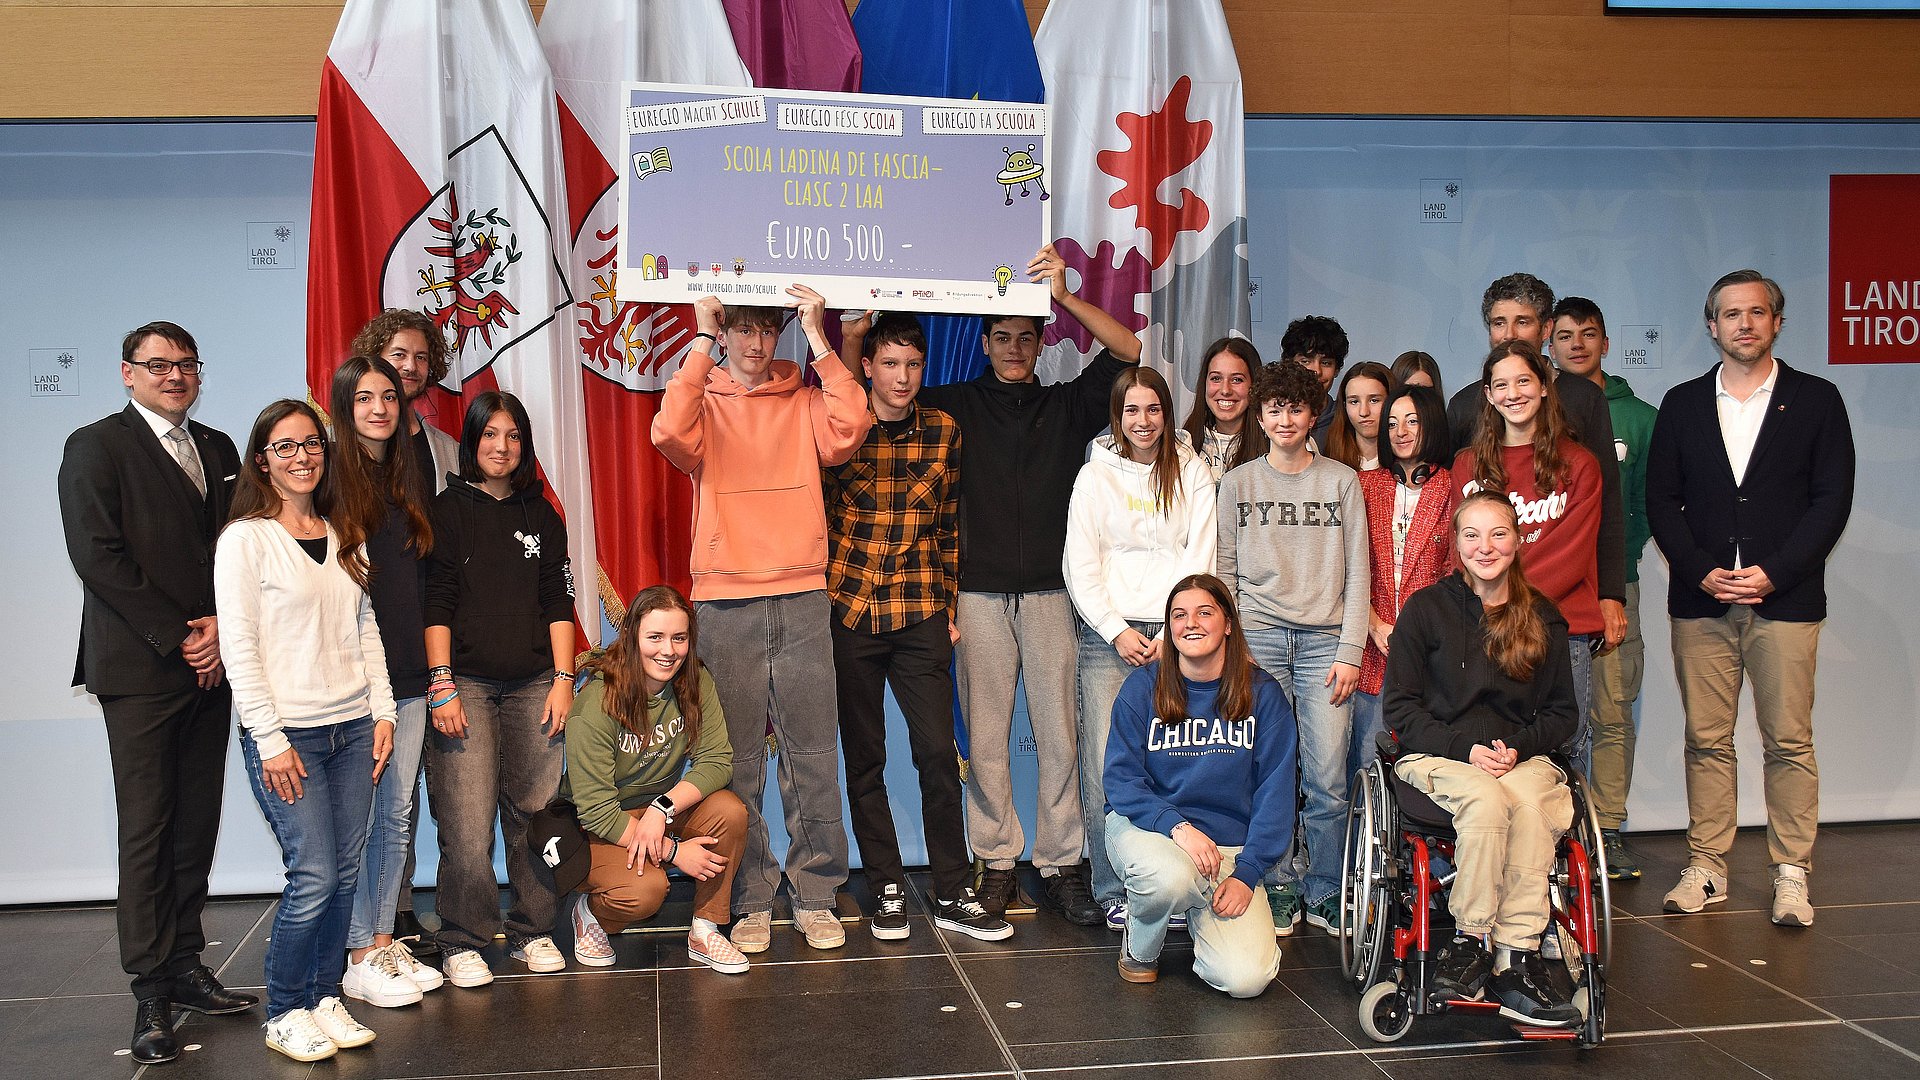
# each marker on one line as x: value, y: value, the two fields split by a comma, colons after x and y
x: 1586, y: 826
x: 1385, y: 1013
x: 1363, y: 886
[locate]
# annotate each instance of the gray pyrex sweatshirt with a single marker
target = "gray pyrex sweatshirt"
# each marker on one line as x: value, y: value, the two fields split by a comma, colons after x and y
x: 1294, y: 548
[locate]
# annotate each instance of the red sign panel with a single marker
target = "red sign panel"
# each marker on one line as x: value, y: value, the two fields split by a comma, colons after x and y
x: 1873, y: 278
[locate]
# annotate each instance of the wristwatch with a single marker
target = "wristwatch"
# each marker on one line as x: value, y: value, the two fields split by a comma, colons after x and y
x: 664, y: 805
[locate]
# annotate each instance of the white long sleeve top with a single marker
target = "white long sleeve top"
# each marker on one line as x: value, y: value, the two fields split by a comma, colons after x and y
x: 298, y: 637
x: 1123, y: 554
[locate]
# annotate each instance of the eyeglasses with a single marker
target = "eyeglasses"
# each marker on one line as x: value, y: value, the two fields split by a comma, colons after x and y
x: 163, y: 367
x: 286, y: 448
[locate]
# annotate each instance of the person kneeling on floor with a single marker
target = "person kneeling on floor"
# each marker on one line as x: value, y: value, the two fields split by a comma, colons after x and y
x: 1479, y: 688
x: 648, y: 763
x: 1200, y: 795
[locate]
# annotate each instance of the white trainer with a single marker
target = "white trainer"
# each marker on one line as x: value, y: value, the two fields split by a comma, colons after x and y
x: 425, y: 977
x: 338, y: 1024
x: 540, y: 955
x: 377, y: 980
x: 295, y: 1034
x: 1791, y: 905
x: 464, y: 967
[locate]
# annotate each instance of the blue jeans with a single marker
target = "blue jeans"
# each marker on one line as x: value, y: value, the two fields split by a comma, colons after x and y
x: 1101, y: 673
x: 390, y: 833
x: 1237, y: 955
x: 1579, y: 748
x: 321, y: 836
x: 1299, y: 660
x: 1368, y: 722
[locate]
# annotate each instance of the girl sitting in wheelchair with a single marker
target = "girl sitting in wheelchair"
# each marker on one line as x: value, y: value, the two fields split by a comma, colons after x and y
x: 1479, y: 688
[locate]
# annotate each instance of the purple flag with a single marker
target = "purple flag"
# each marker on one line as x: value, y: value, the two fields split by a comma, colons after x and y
x: 796, y: 44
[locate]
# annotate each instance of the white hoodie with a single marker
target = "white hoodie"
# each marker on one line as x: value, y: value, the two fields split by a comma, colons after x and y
x: 1123, y: 556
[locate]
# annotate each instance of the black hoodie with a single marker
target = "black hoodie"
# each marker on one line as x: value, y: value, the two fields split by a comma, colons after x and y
x: 1443, y: 693
x: 498, y: 577
x: 1022, y: 445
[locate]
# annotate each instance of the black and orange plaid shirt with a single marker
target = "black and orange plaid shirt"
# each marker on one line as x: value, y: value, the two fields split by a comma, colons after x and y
x: 893, y: 526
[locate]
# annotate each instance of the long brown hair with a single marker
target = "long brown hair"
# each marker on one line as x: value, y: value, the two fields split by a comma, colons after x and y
x: 1251, y: 443
x: 1343, y: 443
x: 365, y: 493
x: 1516, y: 635
x: 1235, y: 699
x: 1549, y: 425
x: 619, y: 667
x: 254, y: 496
x: 1166, y: 452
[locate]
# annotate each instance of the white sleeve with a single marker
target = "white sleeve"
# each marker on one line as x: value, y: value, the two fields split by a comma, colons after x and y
x: 237, y: 581
x: 1085, y: 558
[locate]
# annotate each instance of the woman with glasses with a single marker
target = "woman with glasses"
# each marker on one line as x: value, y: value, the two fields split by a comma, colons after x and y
x: 317, y: 716
x: 499, y: 686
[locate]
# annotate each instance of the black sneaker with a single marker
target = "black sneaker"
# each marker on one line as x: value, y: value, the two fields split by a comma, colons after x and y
x: 407, y: 928
x: 997, y: 889
x: 1068, y: 894
x: 1461, y: 969
x: 968, y: 916
x: 1528, y: 994
x: 889, y: 922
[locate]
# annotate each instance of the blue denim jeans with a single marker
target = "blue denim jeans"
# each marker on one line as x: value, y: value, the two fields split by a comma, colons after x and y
x: 390, y: 832
x: 1368, y: 722
x: 1299, y: 660
x: 1101, y: 673
x: 321, y: 834
x: 1579, y: 748
x: 1237, y: 955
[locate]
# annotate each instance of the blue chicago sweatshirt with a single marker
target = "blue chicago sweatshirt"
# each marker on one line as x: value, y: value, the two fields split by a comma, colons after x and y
x: 1232, y: 778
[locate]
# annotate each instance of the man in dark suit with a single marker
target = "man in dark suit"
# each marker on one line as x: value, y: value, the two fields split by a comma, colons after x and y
x: 1749, y: 484
x: 143, y: 493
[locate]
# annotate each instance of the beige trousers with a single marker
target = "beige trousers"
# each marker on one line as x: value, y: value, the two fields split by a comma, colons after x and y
x: 1711, y: 657
x: 1507, y: 827
x: 1616, y: 686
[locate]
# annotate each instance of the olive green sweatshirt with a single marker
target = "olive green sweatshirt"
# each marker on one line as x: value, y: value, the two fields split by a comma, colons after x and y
x: 609, y: 773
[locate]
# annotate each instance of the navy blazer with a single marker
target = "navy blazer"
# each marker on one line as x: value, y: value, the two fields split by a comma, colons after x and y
x: 141, y: 539
x: 1785, y: 515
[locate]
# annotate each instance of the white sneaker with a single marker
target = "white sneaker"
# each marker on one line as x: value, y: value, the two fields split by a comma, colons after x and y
x: 1791, y: 907
x: 425, y: 977
x: 464, y: 967
x: 338, y: 1024
x: 377, y: 980
x: 295, y: 1034
x: 540, y: 955
x: 1696, y: 890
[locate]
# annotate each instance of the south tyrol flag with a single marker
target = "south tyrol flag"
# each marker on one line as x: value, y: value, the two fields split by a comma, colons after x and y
x: 627, y: 352
x: 438, y: 186
x: 1149, y: 177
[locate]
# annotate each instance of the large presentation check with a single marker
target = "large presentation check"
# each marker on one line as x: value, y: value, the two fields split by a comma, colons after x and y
x: 904, y: 204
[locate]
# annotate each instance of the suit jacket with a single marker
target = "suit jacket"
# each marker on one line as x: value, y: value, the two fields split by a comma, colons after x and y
x: 141, y: 539
x: 1785, y: 515
x: 1585, y: 406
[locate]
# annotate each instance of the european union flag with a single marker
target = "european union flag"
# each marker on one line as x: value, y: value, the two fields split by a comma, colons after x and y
x: 958, y: 49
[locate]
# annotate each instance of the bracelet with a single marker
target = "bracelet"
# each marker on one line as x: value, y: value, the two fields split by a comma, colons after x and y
x: 673, y: 852
x: 435, y: 674
x: 709, y: 337
x: 431, y: 704
x: 567, y: 675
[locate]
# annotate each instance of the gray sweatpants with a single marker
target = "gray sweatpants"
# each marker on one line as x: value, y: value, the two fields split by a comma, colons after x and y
x: 1002, y: 636
x: 772, y: 657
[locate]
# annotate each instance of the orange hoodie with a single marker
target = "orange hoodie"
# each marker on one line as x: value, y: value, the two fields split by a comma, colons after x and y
x: 759, y: 524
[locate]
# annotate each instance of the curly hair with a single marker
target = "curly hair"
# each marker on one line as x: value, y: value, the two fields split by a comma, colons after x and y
x: 1285, y: 382
x: 373, y: 338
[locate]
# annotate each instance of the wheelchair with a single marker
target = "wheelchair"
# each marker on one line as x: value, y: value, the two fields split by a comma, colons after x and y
x: 1394, y: 917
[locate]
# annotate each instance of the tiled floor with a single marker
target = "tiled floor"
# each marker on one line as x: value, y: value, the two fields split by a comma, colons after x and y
x: 1719, y: 994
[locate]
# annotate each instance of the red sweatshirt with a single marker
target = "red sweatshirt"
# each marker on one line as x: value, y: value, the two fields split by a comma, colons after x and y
x: 1561, y: 528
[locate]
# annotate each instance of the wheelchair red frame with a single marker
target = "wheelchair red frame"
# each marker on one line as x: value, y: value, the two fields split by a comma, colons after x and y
x: 1389, y: 893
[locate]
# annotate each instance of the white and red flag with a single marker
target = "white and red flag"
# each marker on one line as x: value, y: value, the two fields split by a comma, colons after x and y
x: 438, y: 186
x: 1148, y: 175
x: 628, y: 351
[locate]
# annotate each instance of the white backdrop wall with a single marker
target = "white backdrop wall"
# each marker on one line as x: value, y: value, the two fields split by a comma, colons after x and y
x: 108, y: 226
